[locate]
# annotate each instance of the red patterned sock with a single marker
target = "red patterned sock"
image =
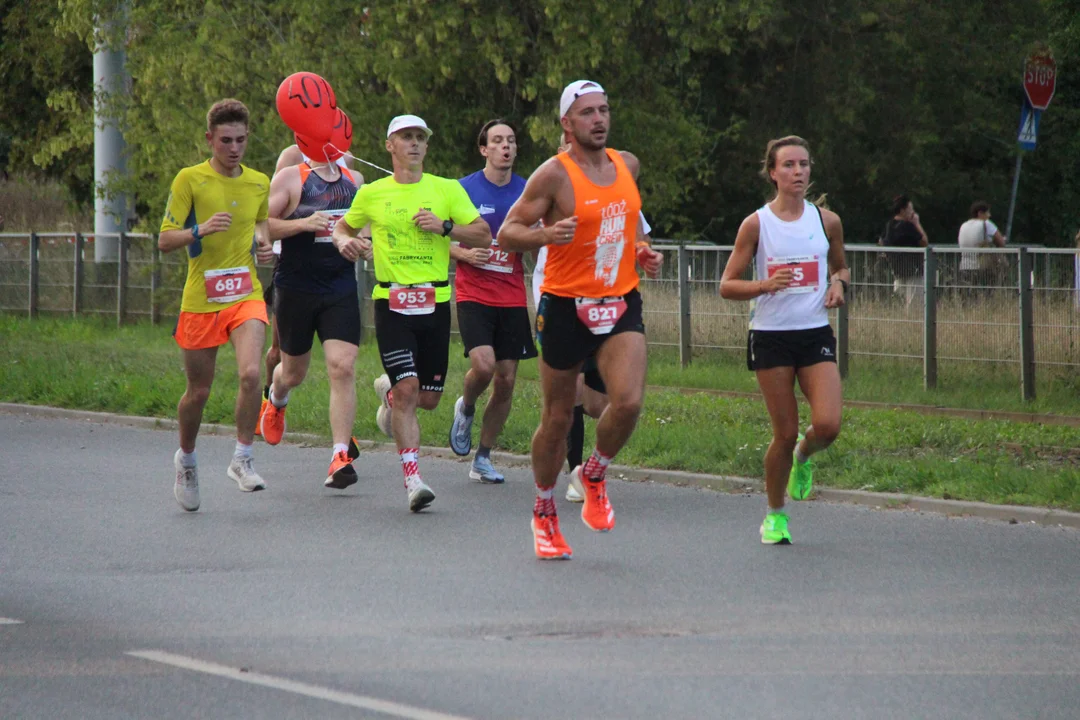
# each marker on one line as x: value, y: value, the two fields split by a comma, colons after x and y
x: 596, y: 466
x: 390, y: 398
x: 408, y: 461
x: 545, y: 501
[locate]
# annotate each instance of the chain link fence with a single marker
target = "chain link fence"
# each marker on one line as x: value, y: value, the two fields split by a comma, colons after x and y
x: 1016, y: 308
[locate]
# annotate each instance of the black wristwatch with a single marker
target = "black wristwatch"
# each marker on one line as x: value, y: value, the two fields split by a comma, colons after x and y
x: 447, y: 226
x: 843, y: 284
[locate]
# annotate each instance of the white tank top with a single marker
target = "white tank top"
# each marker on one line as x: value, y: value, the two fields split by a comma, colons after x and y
x: 541, y: 261
x: 803, y: 246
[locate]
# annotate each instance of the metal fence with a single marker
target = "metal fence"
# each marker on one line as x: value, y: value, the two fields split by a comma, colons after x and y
x: 1017, y: 307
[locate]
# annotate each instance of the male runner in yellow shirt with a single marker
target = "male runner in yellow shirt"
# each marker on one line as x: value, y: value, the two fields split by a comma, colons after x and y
x: 414, y: 217
x: 217, y: 210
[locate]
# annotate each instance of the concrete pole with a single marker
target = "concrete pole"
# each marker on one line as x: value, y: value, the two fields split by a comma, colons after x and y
x: 110, y: 79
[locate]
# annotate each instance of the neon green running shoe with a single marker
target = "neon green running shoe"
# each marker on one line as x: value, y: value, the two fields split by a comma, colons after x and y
x: 774, y: 530
x: 801, y: 481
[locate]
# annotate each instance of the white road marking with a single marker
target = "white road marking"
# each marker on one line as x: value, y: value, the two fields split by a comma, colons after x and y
x: 10, y: 621
x: 300, y: 688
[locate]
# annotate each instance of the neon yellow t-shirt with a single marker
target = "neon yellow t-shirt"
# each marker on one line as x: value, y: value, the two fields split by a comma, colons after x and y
x: 198, y: 192
x: 404, y: 253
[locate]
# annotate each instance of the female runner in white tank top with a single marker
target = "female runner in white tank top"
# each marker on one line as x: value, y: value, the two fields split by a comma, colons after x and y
x: 800, y: 272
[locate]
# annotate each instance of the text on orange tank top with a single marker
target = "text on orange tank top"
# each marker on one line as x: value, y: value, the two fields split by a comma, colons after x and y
x: 600, y: 260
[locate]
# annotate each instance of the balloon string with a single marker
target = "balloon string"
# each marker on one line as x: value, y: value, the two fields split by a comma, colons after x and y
x: 360, y: 159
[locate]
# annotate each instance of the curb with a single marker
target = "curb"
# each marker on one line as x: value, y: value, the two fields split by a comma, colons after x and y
x: 1013, y: 514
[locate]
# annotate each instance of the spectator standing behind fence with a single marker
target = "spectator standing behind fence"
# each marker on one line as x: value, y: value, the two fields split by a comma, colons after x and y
x: 904, y: 230
x: 977, y: 269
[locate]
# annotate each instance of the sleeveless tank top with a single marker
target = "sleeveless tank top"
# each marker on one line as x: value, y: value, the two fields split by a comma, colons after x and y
x: 600, y: 260
x: 309, y: 261
x: 803, y: 246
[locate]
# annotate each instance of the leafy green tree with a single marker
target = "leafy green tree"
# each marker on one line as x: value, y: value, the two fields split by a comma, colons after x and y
x: 894, y: 95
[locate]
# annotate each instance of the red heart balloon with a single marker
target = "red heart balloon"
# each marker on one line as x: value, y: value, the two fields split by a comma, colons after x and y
x: 338, y: 145
x: 307, y: 105
x: 341, y: 140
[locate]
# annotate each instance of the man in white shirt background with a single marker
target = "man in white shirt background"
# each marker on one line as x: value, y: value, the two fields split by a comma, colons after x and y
x: 977, y: 270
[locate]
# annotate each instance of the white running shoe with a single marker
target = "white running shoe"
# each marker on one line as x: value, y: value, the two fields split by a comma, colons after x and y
x: 420, y: 495
x: 461, y: 430
x: 384, y: 415
x: 575, y: 493
x: 242, y: 470
x: 186, y: 489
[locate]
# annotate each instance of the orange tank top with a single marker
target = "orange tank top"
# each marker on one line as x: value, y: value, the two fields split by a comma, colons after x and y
x: 600, y: 260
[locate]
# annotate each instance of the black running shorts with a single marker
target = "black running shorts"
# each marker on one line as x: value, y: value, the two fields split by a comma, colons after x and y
x: 565, y: 341
x: 767, y: 349
x: 593, y: 381
x: 414, y: 345
x: 504, y: 329
x: 300, y: 315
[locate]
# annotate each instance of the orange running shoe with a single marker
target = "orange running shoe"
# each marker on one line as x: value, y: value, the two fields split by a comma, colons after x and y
x: 596, y: 513
x: 548, y: 540
x: 258, y: 423
x: 272, y: 423
x: 341, y: 473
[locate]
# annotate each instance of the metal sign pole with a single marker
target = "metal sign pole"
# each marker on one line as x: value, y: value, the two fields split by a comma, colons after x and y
x: 1012, y: 199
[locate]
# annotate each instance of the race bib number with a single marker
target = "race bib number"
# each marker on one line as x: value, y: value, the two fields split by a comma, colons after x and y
x: 224, y: 286
x: 326, y: 235
x: 412, y: 299
x: 500, y: 260
x: 600, y: 314
x: 804, y: 272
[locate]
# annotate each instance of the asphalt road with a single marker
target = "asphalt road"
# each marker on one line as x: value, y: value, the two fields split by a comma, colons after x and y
x: 300, y: 602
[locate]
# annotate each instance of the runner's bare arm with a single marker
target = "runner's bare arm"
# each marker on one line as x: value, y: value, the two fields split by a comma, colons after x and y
x: 264, y: 249
x: 520, y: 231
x: 632, y: 163
x: 289, y: 157
x: 284, y: 197
x: 476, y: 234
x: 473, y: 256
x: 838, y: 269
x: 347, y: 242
x: 170, y: 240
x: 732, y: 286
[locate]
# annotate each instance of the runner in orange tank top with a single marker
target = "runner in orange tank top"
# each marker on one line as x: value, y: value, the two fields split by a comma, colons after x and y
x: 588, y: 201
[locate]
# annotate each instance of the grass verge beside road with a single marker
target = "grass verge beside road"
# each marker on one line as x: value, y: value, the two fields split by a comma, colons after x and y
x: 137, y: 370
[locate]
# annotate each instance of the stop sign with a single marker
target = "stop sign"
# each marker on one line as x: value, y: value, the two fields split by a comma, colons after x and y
x: 1040, y: 76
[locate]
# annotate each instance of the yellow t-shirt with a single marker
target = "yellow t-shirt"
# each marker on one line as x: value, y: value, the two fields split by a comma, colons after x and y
x: 198, y: 192
x: 404, y: 253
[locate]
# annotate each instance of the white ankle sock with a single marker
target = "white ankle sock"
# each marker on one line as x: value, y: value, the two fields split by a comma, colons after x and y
x: 187, y: 459
x: 278, y: 401
x: 242, y: 450
x: 340, y: 447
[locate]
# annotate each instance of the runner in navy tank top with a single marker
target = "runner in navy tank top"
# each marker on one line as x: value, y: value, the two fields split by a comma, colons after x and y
x: 797, y: 251
x: 315, y: 293
x: 492, y: 309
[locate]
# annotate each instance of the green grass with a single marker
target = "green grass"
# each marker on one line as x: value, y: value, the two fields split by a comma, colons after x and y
x: 137, y: 370
x: 975, y: 387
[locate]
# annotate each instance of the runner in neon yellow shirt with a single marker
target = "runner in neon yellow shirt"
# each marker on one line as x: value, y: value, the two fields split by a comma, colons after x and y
x: 413, y: 218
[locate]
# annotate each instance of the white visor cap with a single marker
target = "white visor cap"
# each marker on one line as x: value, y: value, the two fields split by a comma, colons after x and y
x: 402, y: 122
x: 575, y: 90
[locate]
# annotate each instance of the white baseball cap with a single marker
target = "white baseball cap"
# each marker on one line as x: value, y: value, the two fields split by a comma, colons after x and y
x: 407, y: 121
x: 575, y: 90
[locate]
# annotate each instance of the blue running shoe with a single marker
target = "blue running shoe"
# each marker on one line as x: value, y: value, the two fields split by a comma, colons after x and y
x: 485, y: 472
x: 461, y: 430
